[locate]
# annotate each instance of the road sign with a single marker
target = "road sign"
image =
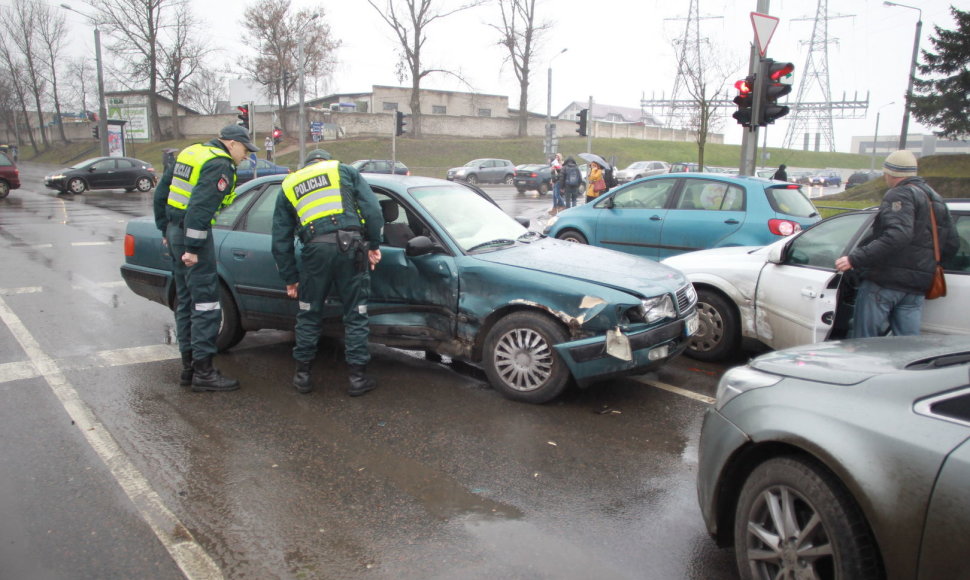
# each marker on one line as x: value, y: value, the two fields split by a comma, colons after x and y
x: 764, y: 27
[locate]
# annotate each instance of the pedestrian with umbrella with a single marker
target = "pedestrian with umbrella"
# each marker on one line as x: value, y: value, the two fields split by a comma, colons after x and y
x: 595, y: 178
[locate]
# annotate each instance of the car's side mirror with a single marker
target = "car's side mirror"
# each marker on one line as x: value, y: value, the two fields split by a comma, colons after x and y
x: 420, y: 246
x: 524, y: 221
x: 777, y: 253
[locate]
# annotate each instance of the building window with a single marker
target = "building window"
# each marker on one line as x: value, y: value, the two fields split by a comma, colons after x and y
x: 484, y: 112
x: 390, y: 106
x: 439, y: 110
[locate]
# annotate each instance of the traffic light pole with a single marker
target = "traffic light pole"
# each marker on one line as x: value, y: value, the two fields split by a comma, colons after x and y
x: 749, y: 140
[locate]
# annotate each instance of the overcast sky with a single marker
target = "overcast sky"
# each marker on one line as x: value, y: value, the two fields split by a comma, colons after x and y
x: 619, y: 51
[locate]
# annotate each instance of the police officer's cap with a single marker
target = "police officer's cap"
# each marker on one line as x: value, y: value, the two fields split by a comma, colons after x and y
x: 316, y: 155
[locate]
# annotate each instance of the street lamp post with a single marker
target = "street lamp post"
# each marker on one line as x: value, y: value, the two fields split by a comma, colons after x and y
x: 102, y: 110
x: 912, y: 72
x: 549, y: 131
x: 875, y: 139
x: 302, y: 121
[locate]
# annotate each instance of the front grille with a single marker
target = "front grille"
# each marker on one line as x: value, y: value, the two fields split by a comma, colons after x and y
x: 686, y: 297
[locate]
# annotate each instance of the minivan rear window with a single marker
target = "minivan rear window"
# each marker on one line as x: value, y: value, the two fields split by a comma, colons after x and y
x: 790, y: 201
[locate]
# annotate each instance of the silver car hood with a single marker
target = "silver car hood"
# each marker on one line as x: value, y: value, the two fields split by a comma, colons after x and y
x: 849, y: 362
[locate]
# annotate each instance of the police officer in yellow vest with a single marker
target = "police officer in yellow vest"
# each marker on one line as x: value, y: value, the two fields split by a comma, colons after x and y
x: 187, y: 198
x: 334, y: 213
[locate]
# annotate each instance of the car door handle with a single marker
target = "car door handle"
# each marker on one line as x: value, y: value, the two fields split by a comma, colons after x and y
x: 656, y: 218
x: 732, y: 221
x: 240, y: 254
x: 808, y: 292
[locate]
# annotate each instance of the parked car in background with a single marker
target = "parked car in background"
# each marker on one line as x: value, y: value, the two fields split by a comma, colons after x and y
x: 249, y: 169
x: 789, y: 293
x: 683, y: 167
x: 484, y: 171
x: 9, y: 175
x: 536, y: 177
x: 800, y: 177
x: 860, y: 177
x: 827, y: 179
x: 125, y: 173
x: 843, y: 460
x: 669, y: 214
x: 639, y: 169
x: 380, y: 166
x: 458, y: 277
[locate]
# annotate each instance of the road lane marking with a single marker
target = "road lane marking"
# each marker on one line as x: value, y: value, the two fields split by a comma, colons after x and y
x: 190, y: 557
x: 25, y: 290
x: 677, y: 390
x: 91, y: 243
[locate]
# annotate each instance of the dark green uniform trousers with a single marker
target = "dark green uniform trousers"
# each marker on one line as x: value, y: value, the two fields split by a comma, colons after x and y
x: 324, y: 266
x: 197, y: 314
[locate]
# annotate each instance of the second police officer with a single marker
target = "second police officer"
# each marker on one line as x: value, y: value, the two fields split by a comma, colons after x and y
x: 187, y: 199
x: 336, y: 216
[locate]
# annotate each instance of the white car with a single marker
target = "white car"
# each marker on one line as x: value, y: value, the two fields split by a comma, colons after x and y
x: 639, y: 169
x: 789, y: 293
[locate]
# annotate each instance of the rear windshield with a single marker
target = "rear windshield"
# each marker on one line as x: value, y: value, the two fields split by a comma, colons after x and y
x: 790, y: 201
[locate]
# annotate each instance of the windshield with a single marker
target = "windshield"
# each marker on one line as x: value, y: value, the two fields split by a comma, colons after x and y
x: 474, y: 163
x: 84, y: 164
x: 468, y: 218
x: 638, y: 165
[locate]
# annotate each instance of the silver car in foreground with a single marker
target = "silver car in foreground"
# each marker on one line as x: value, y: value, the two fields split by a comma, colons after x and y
x: 845, y: 460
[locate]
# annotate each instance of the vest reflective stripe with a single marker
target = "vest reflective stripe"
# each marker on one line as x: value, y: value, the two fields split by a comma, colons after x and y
x: 196, y: 234
x: 188, y: 167
x: 315, y: 191
x: 207, y: 306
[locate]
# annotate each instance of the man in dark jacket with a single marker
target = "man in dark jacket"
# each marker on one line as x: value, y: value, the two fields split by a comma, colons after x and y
x: 570, y: 180
x: 188, y: 197
x: 897, y: 262
x: 334, y: 212
x: 781, y: 174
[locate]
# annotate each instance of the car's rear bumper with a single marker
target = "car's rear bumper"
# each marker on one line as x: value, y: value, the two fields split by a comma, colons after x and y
x: 149, y: 283
x: 589, y: 362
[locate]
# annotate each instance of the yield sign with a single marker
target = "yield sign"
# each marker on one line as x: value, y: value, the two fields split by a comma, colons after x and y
x: 764, y: 27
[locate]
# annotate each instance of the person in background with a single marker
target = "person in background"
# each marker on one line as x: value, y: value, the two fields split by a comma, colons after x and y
x: 897, y: 261
x: 781, y: 174
x: 268, y: 146
x: 569, y: 181
x: 557, y: 199
x: 593, y: 178
x: 336, y: 215
x: 187, y: 199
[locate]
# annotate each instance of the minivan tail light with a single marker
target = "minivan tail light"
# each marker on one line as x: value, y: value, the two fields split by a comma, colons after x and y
x: 129, y: 245
x: 783, y: 227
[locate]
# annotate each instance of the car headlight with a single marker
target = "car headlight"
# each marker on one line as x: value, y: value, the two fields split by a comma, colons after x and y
x: 741, y: 380
x: 53, y: 177
x: 552, y: 221
x: 660, y: 308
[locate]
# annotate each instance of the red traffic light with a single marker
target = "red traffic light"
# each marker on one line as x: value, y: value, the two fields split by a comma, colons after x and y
x: 277, y: 133
x: 780, y: 69
x: 744, y: 87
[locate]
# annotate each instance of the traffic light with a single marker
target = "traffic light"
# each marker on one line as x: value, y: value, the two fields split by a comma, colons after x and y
x: 777, y: 85
x: 243, y: 116
x: 399, y: 127
x: 744, y: 100
x: 96, y: 131
x: 583, y: 122
x: 277, y: 135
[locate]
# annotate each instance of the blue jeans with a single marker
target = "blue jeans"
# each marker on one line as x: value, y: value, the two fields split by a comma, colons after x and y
x: 877, y: 308
x: 557, y: 200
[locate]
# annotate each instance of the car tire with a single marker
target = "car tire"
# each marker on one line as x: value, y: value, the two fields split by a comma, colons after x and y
x: 230, y: 327
x: 543, y: 188
x: 509, y: 179
x: 76, y: 185
x: 794, y: 519
x: 144, y: 184
x: 572, y: 236
x: 718, y: 333
x: 472, y: 179
x: 4, y: 189
x: 520, y: 189
x: 520, y: 361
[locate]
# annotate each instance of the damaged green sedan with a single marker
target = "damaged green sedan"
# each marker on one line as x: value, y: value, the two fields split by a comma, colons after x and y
x: 460, y: 278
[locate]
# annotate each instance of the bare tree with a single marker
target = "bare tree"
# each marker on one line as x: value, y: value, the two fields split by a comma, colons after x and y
x: 409, y: 19
x: 181, y: 57
x: 78, y: 71
x: 136, y: 26
x: 705, y: 82
x: 52, y: 34
x: 519, y: 35
x: 277, y: 32
x: 14, y: 72
x: 27, y: 21
x: 204, y: 89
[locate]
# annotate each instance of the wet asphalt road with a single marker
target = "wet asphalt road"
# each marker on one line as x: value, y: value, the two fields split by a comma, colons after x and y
x: 111, y: 470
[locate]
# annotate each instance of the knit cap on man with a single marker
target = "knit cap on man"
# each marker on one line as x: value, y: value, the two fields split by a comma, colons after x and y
x: 900, y: 164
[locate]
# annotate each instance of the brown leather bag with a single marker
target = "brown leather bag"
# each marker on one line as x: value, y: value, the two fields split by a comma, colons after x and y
x: 938, y: 288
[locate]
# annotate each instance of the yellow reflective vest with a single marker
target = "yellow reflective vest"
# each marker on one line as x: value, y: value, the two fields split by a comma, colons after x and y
x: 188, y: 167
x: 315, y: 191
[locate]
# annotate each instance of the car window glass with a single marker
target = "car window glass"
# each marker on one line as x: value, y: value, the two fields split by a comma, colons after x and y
x: 644, y: 195
x: 4, y: 160
x: 104, y: 165
x: 790, y: 201
x: 227, y: 216
x: 124, y: 164
x: 711, y: 195
x: 960, y: 262
x: 826, y: 241
x: 259, y: 219
x: 467, y: 217
x: 954, y: 407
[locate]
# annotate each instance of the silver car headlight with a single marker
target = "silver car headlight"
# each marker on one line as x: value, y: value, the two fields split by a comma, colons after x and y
x: 740, y: 380
x: 660, y: 308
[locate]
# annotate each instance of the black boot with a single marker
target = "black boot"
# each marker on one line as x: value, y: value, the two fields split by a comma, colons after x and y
x: 208, y: 378
x: 301, y: 380
x: 359, y: 382
x: 185, y: 379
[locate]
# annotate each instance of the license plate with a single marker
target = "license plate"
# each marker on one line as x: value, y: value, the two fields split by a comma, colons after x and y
x: 691, y: 324
x: 519, y: 182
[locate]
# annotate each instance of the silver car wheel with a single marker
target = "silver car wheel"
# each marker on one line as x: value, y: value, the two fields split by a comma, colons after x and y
x: 785, y: 536
x: 523, y: 359
x: 710, y: 331
x: 143, y: 184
